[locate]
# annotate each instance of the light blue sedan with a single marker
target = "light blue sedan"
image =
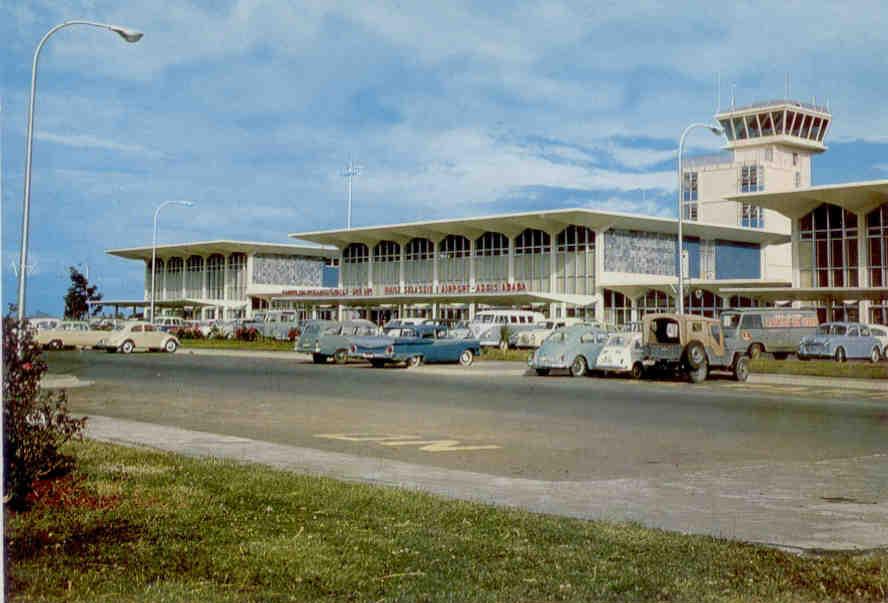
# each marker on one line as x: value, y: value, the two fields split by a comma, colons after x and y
x: 415, y: 345
x: 575, y: 348
x: 841, y: 341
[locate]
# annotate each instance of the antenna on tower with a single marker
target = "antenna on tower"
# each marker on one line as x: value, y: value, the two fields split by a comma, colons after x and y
x: 733, y: 95
x: 351, y: 170
x: 786, y: 87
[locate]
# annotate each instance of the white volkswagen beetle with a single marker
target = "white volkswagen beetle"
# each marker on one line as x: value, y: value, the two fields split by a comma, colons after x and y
x: 132, y: 336
x: 622, y: 353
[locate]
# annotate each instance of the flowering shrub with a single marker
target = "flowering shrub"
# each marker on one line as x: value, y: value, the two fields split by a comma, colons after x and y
x: 293, y: 334
x: 246, y: 334
x: 190, y: 332
x: 36, y: 424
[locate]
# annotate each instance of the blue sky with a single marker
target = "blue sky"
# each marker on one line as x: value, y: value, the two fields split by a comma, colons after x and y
x: 251, y: 110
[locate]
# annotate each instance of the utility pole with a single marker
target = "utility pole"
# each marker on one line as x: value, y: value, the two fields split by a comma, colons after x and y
x: 351, y: 170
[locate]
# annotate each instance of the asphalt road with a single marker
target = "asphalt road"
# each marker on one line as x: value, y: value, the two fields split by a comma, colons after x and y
x: 482, y: 420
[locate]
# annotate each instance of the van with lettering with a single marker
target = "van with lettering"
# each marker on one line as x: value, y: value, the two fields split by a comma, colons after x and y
x: 776, y: 331
x: 488, y: 325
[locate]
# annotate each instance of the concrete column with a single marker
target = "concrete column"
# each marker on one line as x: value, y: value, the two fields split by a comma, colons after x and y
x: 370, y: 269
x: 402, y: 268
x: 472, y: 270
x: 553, y: 262
x: 552, y: 310
x: 163, y: 283
x: 795, y: 243
x: 472, y: 311
x: 599, y: 305
x: 339, y: 312
x: 435, y: 266
x: 339, y: 283
x: 633, y: 309
x: 511, y: 260
x: 599, y: 256
x: 204, y: 294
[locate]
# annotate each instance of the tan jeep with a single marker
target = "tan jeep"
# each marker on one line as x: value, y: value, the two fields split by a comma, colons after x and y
x: 691, y: 345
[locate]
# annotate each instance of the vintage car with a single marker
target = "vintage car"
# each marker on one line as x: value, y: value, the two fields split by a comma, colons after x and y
x: 841, y: 341
x: 42, y: 324
x: 533, y: 336
x: 137, y: 335
x: 325, y: 339
x: 880, y: 333
x: 777, y: 331
x: 274, y: 324
x: 623, y: 353
x: 488, y: 326
x: 575, y: 348
x: 412, y: 345
x: 691, y: 345
x: 69, y: 334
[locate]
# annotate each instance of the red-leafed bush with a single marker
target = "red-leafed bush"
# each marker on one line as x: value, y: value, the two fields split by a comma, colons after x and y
x: 36, y: 423
x: 246, y: 334
x: 293, y: 334
x: 188, y: 332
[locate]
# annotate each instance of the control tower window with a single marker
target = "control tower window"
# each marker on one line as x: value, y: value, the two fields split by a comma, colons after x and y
x: 689, y: 195
x: 752, y: 179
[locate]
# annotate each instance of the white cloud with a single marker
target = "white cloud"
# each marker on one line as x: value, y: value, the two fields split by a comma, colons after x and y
x: 87, y: 141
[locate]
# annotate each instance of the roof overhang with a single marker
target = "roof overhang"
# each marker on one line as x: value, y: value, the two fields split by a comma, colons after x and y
x: 223, y: 247
x: 855, y: 197
x: 493, y: 299
x: 637, y: 287
x: 811, y: 294
x: 549, y: 221
x: 142, y: 303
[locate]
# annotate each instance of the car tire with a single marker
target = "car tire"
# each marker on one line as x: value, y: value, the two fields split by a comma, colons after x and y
x: 637, y: 371
x: 578, y: 367
x: 377, y: 363
x: 340, y: 357
x: 885, y: 353
x: 542, y: 372
x: 699, y: 374
x: 413, y: 362
x: 755, y: 351
x: 695, y: 355
x: 170, y: 346
x: 840, y: 355
x: 127, y: 347
x: 740, y: 369
x: 875, y: 356
x: 466, y: 358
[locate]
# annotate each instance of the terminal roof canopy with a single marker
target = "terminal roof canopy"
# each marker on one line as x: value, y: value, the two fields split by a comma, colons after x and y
x: 855, y: 197
x: 550, y: 221
x: 223, y: 247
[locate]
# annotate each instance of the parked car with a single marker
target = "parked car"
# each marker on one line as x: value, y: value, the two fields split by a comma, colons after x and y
x: 488, y: 325
x: 622, y: 353
x: 459, y: 330
x: 69, y: 334
x: 137, y: 335
x: 169, y: 324
x: 533, y: 336
x: 41, y: 324
x: 775, y: 330
x: 841, y: 341
x: 413, y: 345
x: 691, y: 345
x: 330, y: 339
x: 575, y: 348
x: 275, y: 324
x: 880, y: 333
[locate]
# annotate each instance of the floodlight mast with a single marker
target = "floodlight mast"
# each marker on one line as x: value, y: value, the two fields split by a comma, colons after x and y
x: 351, y: 170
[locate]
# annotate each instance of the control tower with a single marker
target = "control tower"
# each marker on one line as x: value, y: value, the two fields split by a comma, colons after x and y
x: 769, y: 148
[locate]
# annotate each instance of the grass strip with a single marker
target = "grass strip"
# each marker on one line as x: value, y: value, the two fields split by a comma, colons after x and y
x: 264, y: 345
x: 821, y: 368
x: 151, y: 526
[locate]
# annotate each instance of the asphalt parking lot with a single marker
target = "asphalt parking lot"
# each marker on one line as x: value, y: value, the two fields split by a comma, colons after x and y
x: 677, y: 442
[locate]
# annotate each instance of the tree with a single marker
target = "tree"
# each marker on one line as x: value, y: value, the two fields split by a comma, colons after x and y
x: 79, y: 293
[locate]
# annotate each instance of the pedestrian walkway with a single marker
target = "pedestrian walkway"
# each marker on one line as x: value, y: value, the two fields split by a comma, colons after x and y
x: 835, y: 504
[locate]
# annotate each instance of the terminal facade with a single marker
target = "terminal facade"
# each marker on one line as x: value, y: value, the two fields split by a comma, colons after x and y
x: 756, y: 233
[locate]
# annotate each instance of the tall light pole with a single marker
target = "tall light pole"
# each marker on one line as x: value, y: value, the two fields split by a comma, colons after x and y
x: 128, y: 35
x: 154, y: 245
x: 718, y: 132
x: 351, y: 170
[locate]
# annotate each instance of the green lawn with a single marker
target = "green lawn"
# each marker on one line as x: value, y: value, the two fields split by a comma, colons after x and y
x: 821, y: 368
x: 272, y: 345
x: 150, y: 526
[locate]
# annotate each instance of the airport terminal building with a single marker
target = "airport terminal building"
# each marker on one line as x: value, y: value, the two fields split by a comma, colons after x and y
x: 756, y: 232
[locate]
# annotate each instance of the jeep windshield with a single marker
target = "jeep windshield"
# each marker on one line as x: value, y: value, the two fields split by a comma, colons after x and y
x: 730, y: 321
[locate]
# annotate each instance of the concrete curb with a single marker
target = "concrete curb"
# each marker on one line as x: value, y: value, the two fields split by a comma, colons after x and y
x: 828, y: 382
x: 778, y: 504
x: 63, y: 382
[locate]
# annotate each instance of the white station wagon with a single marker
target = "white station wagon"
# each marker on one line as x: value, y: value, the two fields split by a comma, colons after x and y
x: 133, y: 336
x: 69, y: 334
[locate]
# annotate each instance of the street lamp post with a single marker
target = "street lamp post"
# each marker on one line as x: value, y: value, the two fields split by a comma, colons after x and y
x: 154, y: 245
x: 128, y: 35
x: 718, y: 132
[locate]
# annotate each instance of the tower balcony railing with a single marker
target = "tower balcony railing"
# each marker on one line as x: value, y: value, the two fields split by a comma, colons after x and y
x: 779, y: 103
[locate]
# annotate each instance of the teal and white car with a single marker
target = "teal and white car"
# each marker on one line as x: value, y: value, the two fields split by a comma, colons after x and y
x: 574, y: 348
x: 623, y: 353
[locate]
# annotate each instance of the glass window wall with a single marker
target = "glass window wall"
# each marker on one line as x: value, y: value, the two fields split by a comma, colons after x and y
x: 828, y: 248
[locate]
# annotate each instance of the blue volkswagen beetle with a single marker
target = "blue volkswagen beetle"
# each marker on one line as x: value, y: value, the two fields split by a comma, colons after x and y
x: 413, y: 345
x: 575, y: 348
x: 841, y: 341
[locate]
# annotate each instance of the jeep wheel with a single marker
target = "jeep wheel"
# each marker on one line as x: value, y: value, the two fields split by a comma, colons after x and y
x: 840, y: 355
x: 695, y: 355
x: 741, y: 369
x: 637, y: 371
x: 755, y: 351
x: 578, y: 367
x: 340, y: 357
x: 698, y: 375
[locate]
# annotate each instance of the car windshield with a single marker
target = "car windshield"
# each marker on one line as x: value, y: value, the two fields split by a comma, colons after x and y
x: 730, y: 321
x: 617, y: 341
x: 823, y: 329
